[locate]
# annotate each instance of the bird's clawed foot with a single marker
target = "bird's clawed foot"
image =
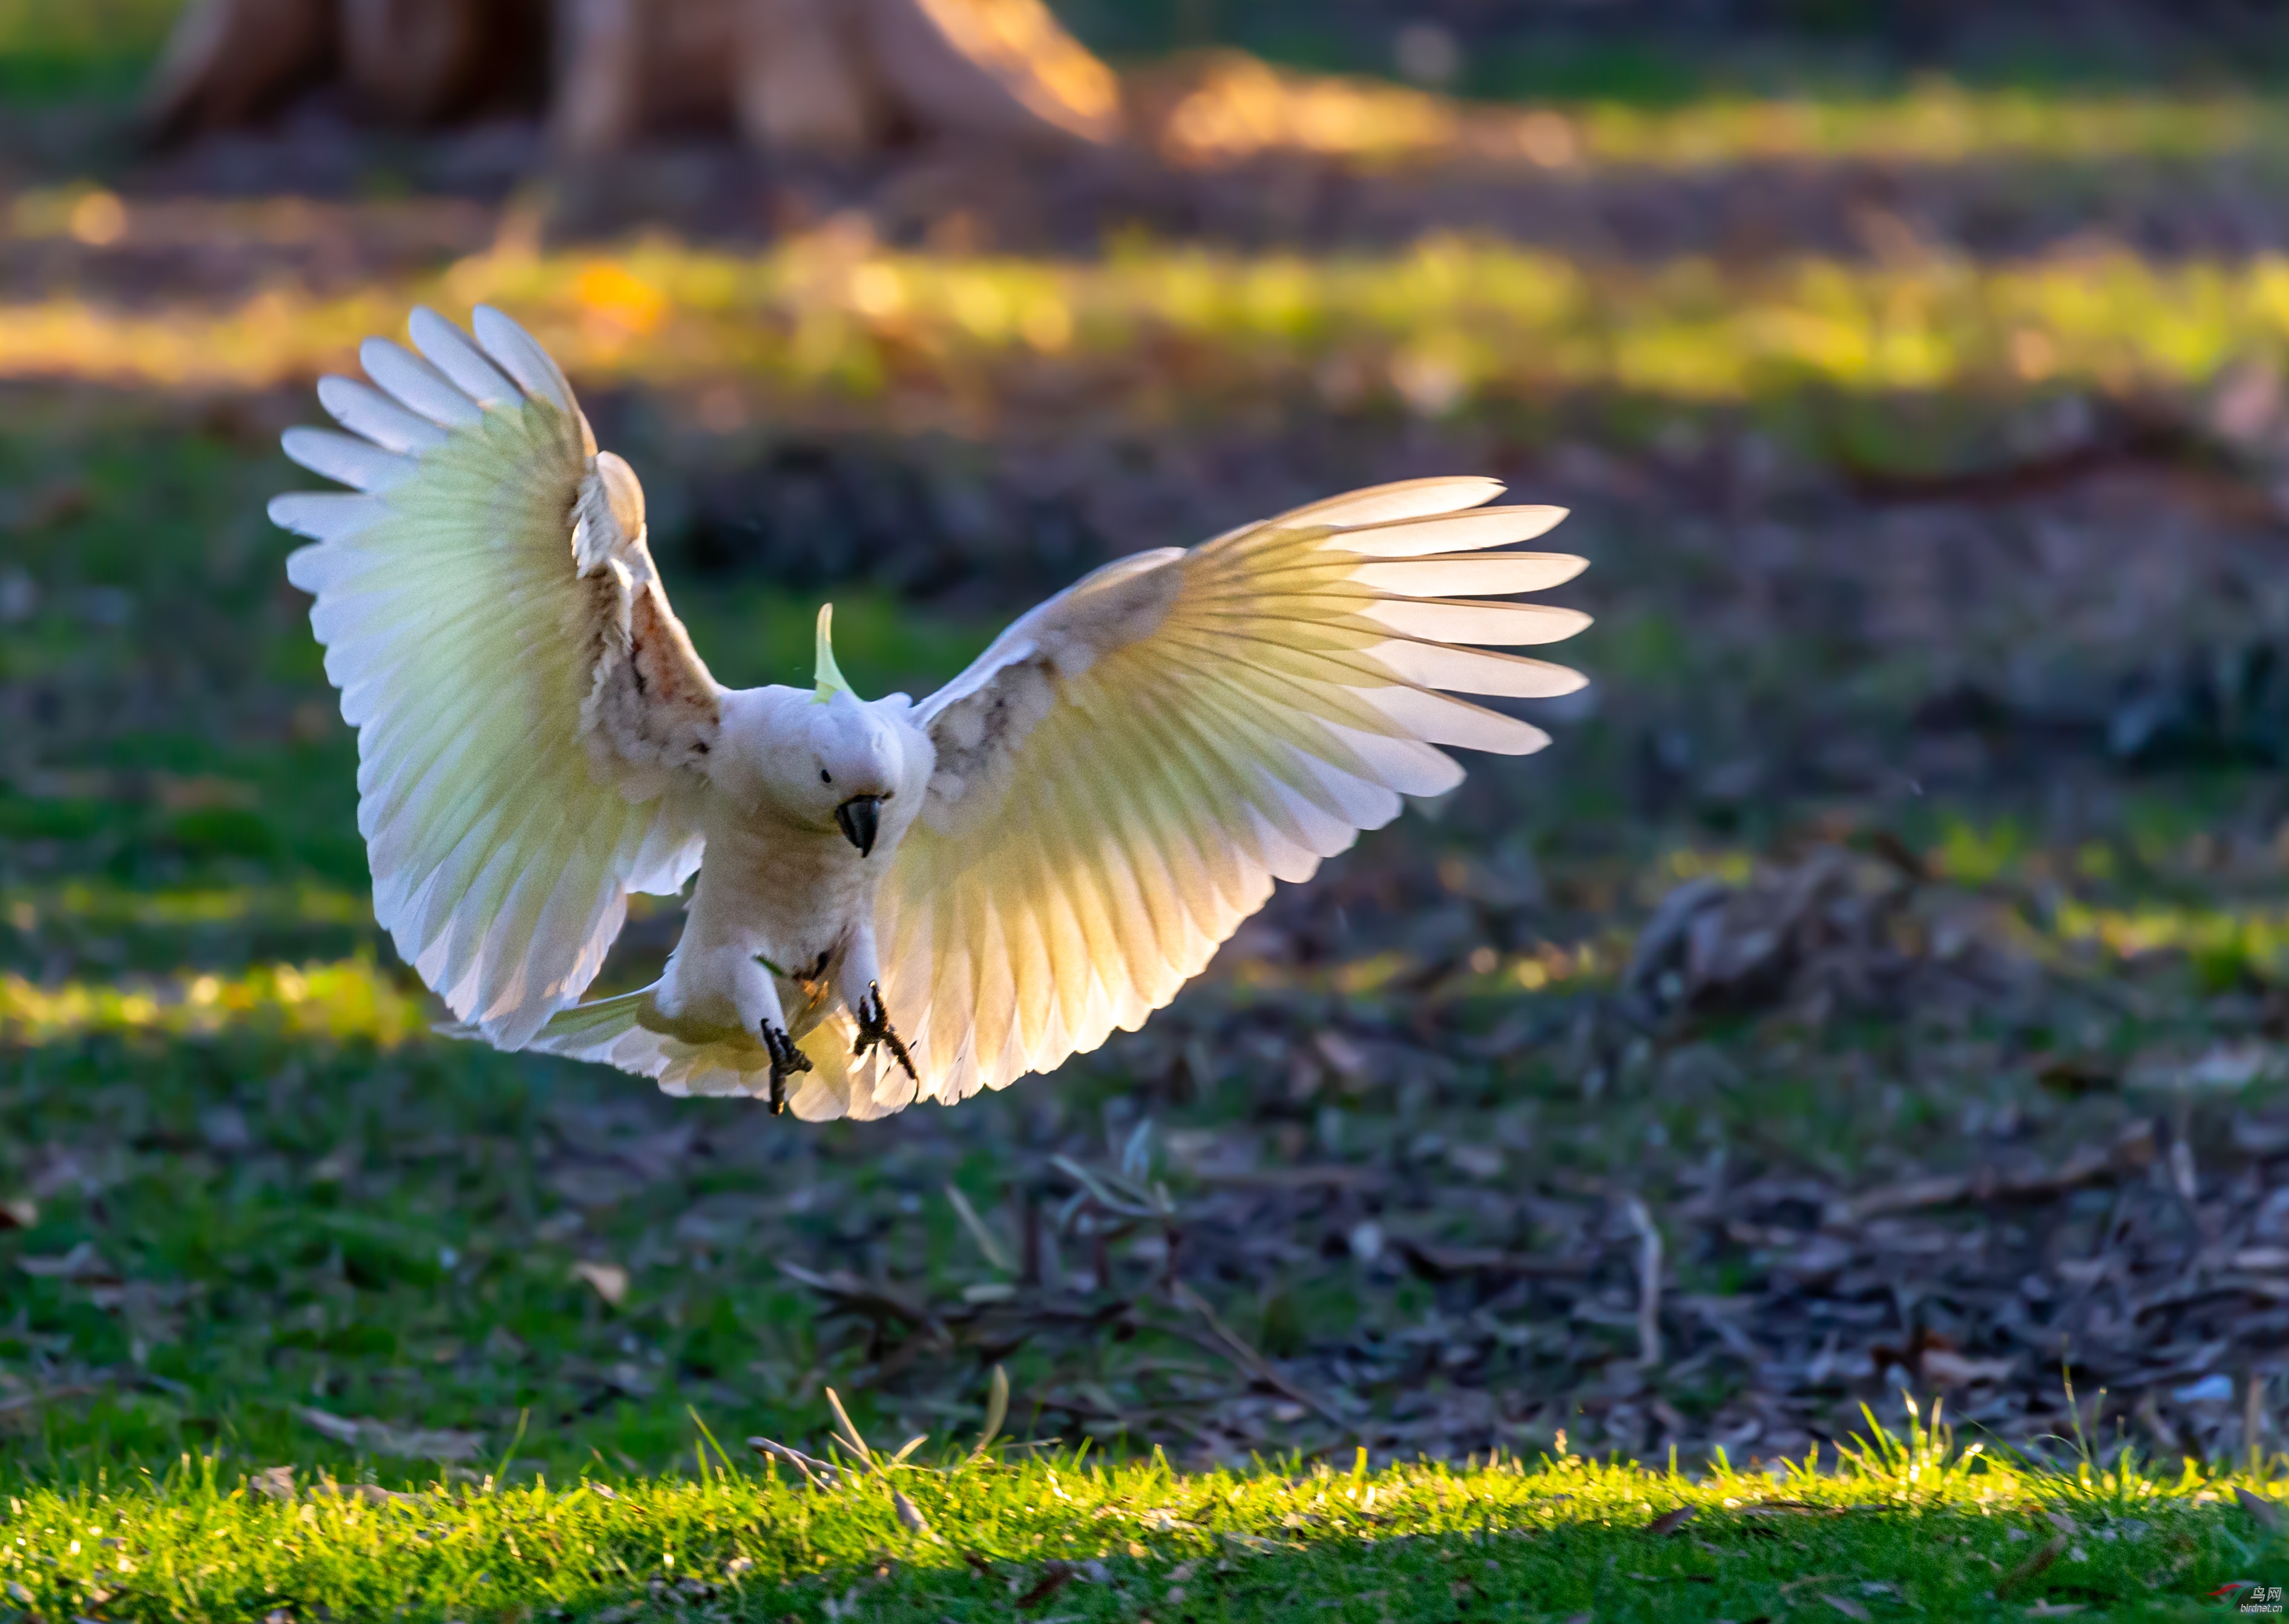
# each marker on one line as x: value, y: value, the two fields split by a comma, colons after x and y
x: 874, y: 1027
x: 787, y: 1061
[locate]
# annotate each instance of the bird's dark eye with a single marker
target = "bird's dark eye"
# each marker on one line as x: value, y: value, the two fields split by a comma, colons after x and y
x: 825, y: 776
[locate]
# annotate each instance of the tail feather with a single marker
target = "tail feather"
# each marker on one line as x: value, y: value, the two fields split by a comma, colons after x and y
x: 632, y: 1033
x: 595, y: 1021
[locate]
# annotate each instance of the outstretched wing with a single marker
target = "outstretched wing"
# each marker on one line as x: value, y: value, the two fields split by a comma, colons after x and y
x: 531, y: 718
x: 1124, y: 773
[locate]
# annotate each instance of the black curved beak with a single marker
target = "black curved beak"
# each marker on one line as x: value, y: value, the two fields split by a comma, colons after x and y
x: 858, y: 818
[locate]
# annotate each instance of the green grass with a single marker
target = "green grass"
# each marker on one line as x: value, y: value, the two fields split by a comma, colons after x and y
x: 249, y: 1206
x: 66, y: 50
x: 229, y: 1238
x: 1907, y: 366
x: 259, y: 1222
x: 1908, y: 1527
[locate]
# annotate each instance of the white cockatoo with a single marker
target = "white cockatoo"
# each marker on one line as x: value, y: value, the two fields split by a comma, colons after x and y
x: 895, y: 901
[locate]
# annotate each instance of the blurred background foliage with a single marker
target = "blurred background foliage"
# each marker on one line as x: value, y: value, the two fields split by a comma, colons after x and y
x: 1639, y: 52
x: 54, y: 51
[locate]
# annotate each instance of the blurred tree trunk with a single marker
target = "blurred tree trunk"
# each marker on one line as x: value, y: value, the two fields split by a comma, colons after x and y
x: 427, y: 61
x: 805, y: 78
x: 841, y: 75
x: 231, y: 62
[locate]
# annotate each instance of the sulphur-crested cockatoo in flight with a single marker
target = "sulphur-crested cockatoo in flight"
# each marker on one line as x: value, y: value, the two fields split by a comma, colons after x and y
x: 896, y: 901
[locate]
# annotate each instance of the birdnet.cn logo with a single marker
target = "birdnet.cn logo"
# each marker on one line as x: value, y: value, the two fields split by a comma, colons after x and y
x: 2258, y: 1598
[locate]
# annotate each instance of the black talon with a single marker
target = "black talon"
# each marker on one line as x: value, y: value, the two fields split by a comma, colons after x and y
x: 787, y: 1061
x: 874, y: 1027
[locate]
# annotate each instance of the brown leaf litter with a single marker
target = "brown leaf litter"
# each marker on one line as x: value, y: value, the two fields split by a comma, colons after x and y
x: 1558, y: 1302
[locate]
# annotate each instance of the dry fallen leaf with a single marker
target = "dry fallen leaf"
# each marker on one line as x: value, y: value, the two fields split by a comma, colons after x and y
x: 382, y: 1438
x: 1049, y: 1585
x: 1670, y: 1522
x: 2041, y: 1558
x: 1849, y: 1608
x: 2267, y: 1514
x: 81, y: 1263
x: 610, y: 1279
x: 335, y: 1427
x: 1945, y: 1367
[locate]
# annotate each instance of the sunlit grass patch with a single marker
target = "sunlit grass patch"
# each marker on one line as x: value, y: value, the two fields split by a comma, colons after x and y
x: 2225, y: 943
x: 1232, y: 107
x: 272, y: 336
x: 111, y: 906
x: 176, y: 929
x: 1732, y: 865
x: 335, y: 1001
x: 1936, y: 122
x: 1900, y: 1521
x: 1544, y: 967
x: 1430, y: 330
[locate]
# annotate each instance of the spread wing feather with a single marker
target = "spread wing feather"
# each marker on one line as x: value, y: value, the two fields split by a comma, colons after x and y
x: 532, y: 722
x: 1123, y: 776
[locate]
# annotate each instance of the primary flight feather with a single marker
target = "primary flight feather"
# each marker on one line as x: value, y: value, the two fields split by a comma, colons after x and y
x: 895, y: 901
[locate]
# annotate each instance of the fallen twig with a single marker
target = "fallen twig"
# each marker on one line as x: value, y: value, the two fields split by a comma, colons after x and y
x: 1648, y: 1283
x: 1441, y: 1262
x: 2041, y: 1558
x: 819, y: 1474
x: 27, y: 1401
x: 874, y: 1301
x: 1050, y: 1582
x: 1669, y: 1522
x: 1340, y: 1176
x: 997, y: 1410
x: 1126, y: 1197
x: 2130, y: 1152
x: 988, y: 1242
x: 1233, y: 1346
x: 848, y: 1436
